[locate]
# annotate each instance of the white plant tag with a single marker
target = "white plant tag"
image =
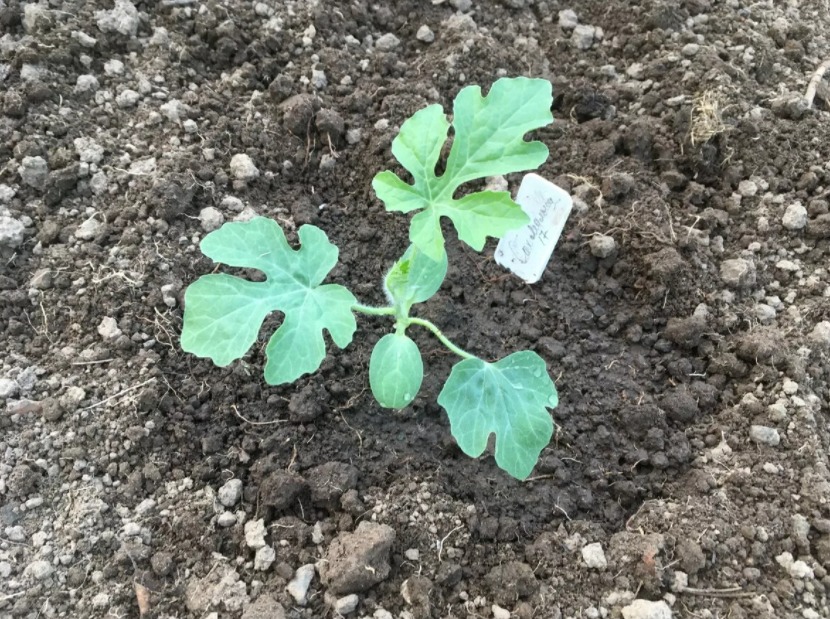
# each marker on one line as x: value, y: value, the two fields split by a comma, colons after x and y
x: 527, y: 250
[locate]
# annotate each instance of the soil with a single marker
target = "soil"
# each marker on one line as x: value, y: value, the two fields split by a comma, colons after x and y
x: 690, y: 465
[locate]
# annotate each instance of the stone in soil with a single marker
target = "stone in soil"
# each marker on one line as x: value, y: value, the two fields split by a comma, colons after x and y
x: 298, y: 587
x: 647, y: 609
x: 357, y: 561
x: 255, y: 533
x: 243, y: 168
x: 265, y: 606
x: 230, y: 492
x: 594, y: 556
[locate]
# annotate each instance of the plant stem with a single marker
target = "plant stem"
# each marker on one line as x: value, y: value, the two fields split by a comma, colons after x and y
x: 444, y: 339
x: 403, y: 322
x: 374, y: 311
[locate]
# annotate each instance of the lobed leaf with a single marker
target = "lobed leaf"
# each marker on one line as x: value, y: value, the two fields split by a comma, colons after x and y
x: 488, y: 140
x: 508, y: 398
x: 224, y: 313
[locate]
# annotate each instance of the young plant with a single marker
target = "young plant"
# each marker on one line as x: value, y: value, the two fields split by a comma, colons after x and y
x: 509, y: 397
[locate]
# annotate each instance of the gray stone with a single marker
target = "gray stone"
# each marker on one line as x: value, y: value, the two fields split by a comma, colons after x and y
x: 33, y: 172
x: 359, y: 560
x: 243, y: 168
x: 387, y: 42
x: 113, y: 66
x: 462, y: 5
x: 6, y: 194
x: 583, y: 37
x: 568, y: 19
x: 795, y: 217
x: 319, y: 79
x: 647, y: 609
x: 424, y: 34
x: 738, y: 272
x: 820, y: 335
x: 71, y: 398
x: 11, y: 232
x: 108, y: 329
x: 264, y: 558
x: 8, y: 388
x: 298, y: 587
x: 221, y: 585
x: 594, y: 556
x: 255, y: 533
x: 98, y: 183
x: 602, y: 246
x: 174, y: 110
x: 39, y: 570
x: 690, y: 49
x: 764, y: 435
x: 347, y: 604
x: 127, y: 98
x: 89, y: 151
x: 265, y: 607
x: 765, y: 313
x: 211, y: 218
x: 16, y: 534
x: 123, y: 19
x: 747, y: 189
x: 84, y: 39
x: 86, y: 83
x: 89, y: 229
x: 801, y: 530
x: 499, y: 612
x: 226, y: 519
x: 35, y: 17
x: 230, y: 492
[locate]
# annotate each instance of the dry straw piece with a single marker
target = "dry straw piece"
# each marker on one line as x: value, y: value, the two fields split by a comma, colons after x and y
x: 705, y: 122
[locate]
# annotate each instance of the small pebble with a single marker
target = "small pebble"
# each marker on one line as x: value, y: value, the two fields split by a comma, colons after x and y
x: 795, y: 217
x: 424, y: 34
x: 230, y: 493
x: 594, y: 556
x: 226, y: 519
x: 499, y: 612
x: 8, y: 388
x: 264, y: 558
x: 764, y: 435
x: 298, y: 587
x: 790, y: 387
x: 255, y: 533
x: 602, y: 246
x: 347, y: 604
x: 211, y: 219
x: 243, y: 168
x: 568, y: 19
x: 387, y: 42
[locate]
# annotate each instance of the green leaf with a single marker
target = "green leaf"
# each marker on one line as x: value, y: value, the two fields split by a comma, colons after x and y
x: 395, y: 371
x: 508, y: 398
x: 488, y: 140
x: 414, y: 278
x: 223, y: 313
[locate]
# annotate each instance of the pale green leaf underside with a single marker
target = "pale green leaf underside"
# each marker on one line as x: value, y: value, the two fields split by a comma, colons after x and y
x: 488, y: 140
x: 223, y: 313
x: 415, y: 277
x: 395, y: 371
x: 508, y: 398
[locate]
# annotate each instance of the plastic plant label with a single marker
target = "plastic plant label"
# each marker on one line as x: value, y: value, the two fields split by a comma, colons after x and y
x: 527, y: 250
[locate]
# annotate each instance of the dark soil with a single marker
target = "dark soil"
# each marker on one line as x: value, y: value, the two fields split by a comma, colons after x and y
x: 692, y: 439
